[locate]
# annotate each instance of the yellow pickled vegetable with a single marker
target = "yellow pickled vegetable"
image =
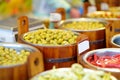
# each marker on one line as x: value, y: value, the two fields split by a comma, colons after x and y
x: 9, y: 56
x: 51, y: 37
x: 84, y: 25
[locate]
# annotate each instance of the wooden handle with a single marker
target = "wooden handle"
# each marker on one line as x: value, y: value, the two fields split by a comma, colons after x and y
x: 112, y: 29
x: 62, y: 12
x: 82, y: 37
x: 22, y: 26
x: 35, y: 64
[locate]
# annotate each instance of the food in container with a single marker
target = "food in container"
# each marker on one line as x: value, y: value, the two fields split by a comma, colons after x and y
x: 76, y: 72
x: 103, y: 58
x: 84, y: 25
x: 10, y: 56
x: 59, y: 47
x: 52, y: 37
x: 18, y: 60
x: 106, y: 59
x: 104, y: 14
x: 87, y: 26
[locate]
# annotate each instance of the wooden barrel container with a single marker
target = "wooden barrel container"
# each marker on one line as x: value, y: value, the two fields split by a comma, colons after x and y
x: 113, y: 20
x: 23, y: 71
x: 112, y: 29
x: 96, y: 36
x: 59, y: 55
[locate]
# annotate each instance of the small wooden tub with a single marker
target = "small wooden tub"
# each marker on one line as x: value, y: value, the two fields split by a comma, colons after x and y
x: 112, y: 29
x: 60, y: 55
x: 96, y: 36
x: 113, y: 20
x: 24, y: 71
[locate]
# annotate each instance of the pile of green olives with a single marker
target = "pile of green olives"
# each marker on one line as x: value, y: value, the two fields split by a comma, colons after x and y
x: 75, y: 25
x: 9, y: 56
x: 51, y: 37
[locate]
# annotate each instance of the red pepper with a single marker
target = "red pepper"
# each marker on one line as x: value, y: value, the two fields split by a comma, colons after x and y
x: 95, y: 57
x: 113, y: 65
x: 105, y: 61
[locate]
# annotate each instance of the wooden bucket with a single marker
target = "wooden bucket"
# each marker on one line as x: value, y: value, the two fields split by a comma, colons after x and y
x: 25, y: 71
x: 58, y: 56
x: 113, y: 21
x: 96, y: 37
x: 112, y: 29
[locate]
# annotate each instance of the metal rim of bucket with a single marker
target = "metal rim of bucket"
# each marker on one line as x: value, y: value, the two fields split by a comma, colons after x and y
x: 16, y: 45
x: 84, y: 59
x: 47, y: 45
x: 113, y: 38
x: 86, y: 20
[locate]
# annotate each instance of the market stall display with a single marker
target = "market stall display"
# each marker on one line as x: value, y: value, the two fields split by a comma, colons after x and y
x: 88, y: 27
x: 59, y: 47
x: 19, y: 60
x: 106, y: 59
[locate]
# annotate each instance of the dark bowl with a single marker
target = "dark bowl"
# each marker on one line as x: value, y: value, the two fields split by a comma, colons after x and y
x: 115, y: 40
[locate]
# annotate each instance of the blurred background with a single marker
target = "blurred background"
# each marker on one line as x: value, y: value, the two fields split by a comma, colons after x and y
x: 35, y: 8
x: 42, y: 8
x: 38, y: 8
x: 14, y: 7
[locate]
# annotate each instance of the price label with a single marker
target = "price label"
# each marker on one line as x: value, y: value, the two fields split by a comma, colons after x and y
x: 55, y: 17
x: 83, y: 46
x: 104, y: 6
x: 7, y: 36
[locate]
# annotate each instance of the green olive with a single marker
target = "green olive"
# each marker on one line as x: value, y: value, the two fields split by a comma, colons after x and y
x: 83, y: 25
x: 50, y: 37
x: 9, y: 56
